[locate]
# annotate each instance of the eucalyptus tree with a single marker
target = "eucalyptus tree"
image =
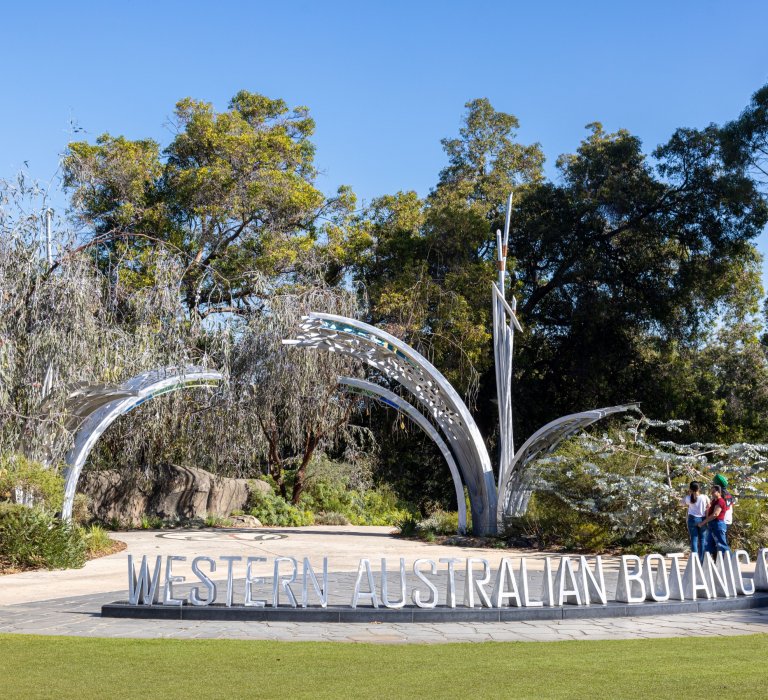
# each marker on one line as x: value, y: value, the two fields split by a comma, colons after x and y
x: 64, y: 326
x: 289, y: 401
x: 232, y: 195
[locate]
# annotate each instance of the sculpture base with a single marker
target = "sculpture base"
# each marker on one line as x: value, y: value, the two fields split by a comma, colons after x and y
x: 409, y: 613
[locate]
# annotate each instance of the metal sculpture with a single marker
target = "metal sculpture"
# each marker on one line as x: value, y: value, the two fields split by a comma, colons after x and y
x: 491, y: 504
x: 504, y: 324
x: 515, y: 483
x: 402, y: 364
x: 92, y: 409
x: 389, y: 398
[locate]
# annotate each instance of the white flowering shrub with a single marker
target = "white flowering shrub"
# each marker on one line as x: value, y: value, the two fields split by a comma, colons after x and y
x: 623, y: 488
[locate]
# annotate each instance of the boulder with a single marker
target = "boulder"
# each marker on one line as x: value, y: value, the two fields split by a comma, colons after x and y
x: 170, y: 492
x: 244, y: 521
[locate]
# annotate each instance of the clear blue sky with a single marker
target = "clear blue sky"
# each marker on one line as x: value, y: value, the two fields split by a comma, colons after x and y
x: 384, y: 81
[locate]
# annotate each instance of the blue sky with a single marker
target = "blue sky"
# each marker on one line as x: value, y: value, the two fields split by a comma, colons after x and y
x: 384, y: 81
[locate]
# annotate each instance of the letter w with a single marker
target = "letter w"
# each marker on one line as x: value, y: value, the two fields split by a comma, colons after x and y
x: 143, y: 589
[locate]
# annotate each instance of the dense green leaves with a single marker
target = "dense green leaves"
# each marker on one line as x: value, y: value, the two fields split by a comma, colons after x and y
x: 232, y: 195
x: 623, y: 267
x: 635, y: 269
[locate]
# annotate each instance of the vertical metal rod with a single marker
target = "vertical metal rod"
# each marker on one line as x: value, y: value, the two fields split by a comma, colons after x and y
x: 507, y: 222
x: 500, y: 261
x: 503, y: 346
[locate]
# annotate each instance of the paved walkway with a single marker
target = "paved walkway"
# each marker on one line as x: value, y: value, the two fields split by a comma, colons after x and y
x: 69, y: 602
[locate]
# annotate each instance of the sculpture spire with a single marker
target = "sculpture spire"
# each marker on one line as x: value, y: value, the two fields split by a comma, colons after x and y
x: 504, y: 324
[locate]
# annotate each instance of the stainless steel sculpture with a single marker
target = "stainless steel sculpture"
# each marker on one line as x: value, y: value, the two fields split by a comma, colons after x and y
x: 402, y: 364
x: 389, y: 398
x: 92, y: 409
x: 515, y: 482
x: 504, y: 324
x: 490, y: 504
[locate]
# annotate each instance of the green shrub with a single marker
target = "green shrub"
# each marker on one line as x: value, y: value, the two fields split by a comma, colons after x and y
x: 31, y: 537
x: 750, y: 525
x: 97, y: 541
x: 408, y: 526
x: 81, y: 509
x: 550, y: 522
x: 331, y: 519
x: 381, y: 506
x: 440, y: 523
x: 378, y: 506
x: 40, y: 483
x: 273, y: 510
x: 151, y: 522
x: 588, y: 537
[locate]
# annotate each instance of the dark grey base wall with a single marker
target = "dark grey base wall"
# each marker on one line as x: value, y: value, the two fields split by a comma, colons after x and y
x: 414, y: 614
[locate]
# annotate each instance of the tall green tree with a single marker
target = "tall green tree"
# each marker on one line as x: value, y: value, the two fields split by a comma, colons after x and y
x: 624, y: 266
x: 233, y: 194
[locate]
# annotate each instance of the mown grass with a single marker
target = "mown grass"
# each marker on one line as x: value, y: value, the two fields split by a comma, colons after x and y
x: 76, y: 667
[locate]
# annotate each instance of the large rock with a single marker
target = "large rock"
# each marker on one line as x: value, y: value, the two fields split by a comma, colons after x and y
x: 170, y: 492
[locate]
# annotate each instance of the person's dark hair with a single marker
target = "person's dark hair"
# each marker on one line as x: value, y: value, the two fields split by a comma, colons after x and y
x: 718, y: 490
x: 694, y: 486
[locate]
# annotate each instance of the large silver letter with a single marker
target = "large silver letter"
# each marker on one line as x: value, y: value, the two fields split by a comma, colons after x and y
x: 230, y: 593
x: 416, y: 594
x: 309, y: 575
x: 144, y: 589
x: 365, y: 568
x: 170, y: 579
x: 250, y: 579
x: 450, y: 591
x: 194, y: 594
x: 283, y: 582
x: 384, y: 597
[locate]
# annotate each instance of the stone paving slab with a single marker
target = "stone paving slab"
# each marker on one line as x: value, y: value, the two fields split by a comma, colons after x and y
x: 80, y: 617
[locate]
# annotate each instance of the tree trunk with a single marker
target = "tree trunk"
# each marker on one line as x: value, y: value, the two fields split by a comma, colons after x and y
x: 301, y: 473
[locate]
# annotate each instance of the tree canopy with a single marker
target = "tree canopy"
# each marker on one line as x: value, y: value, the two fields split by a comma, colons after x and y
x: 635, y: 269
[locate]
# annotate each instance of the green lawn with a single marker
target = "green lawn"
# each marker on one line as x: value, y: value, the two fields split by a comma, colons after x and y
x: 76, y: 667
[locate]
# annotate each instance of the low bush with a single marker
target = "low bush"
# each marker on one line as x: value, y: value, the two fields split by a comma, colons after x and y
x: 408, y: 526
x: 97, y: 541
x: 271, y: 509
x: 151, y: 522
x: 331, y: 519
x: 81, y: 509
x: 33, y: 538
x: 750, y: 524
x: 439, y: 523
x: 333, y: 492
x: 33, y: 482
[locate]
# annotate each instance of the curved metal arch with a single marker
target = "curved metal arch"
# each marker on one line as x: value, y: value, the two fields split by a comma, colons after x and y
x: 401, y: 363
x: 93, y: 409
x: 389, y: 398
x: 513, y: 500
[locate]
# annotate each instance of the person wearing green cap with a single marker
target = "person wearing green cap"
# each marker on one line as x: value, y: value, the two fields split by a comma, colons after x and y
x: 716, y: 540
x: 722, y: 482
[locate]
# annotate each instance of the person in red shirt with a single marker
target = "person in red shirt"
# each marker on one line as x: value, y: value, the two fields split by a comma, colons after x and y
x: 715, y: 523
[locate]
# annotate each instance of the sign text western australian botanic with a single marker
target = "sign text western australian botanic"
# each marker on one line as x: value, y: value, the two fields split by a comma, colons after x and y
x: 566, y: 580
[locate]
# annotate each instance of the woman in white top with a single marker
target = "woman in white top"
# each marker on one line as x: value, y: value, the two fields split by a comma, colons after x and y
x: 697, y: 504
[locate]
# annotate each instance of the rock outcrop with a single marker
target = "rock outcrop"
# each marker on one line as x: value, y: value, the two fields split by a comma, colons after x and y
x: 171, y: 492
